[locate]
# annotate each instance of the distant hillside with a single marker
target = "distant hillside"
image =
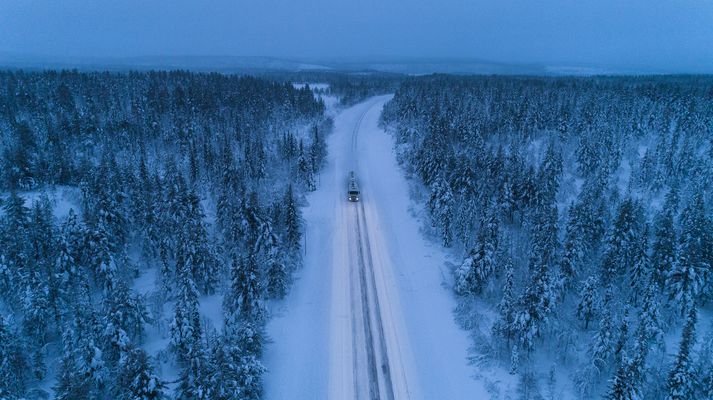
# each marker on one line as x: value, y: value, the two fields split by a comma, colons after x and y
x: 409, y: 66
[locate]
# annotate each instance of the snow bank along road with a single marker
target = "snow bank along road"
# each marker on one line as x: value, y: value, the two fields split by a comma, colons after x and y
x: 367, y: 318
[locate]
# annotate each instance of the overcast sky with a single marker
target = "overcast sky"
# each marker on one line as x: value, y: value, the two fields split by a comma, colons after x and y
x: 671, y: 35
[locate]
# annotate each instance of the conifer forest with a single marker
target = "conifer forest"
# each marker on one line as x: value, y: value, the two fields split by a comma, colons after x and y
x: 187, y: 184
x: 152, y: 228
x: 582, y: 210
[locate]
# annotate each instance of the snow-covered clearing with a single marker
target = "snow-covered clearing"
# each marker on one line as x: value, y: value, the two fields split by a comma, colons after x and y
x: 320, y: 346
x: 61, y: 198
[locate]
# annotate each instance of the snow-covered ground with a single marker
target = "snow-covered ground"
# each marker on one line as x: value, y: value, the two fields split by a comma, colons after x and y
x: 319, y: 346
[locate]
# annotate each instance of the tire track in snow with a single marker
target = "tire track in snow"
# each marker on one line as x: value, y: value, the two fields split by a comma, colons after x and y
x: 367, y: 263
x: 372, y: 368
x: 364, y: 310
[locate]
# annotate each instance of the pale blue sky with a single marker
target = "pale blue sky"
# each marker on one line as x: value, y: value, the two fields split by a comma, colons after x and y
x: 671, y: 35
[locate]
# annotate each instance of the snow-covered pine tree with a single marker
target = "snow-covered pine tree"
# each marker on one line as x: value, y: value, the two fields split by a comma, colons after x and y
x: 244, y: 298
x: 506, y: 308
x: 13, y: 364
x: 137, y: 379
x: 549, y: 176
x: 255, y: 159
x: 664, y: 249
x: 144, y: 210
x: 38, y: 317
x: 640, y: 273
x: 686, y: 279
x: 20, y: 158
x: 650, y: 321
x: 293, y: 223
x: 185, y: 327
x: 83, y: 372
x: 573, y: 246
x: 704, y: 367
x: 317, y: 150
x: 441, y: 207
x: 542, y: 292
x: 475, y: 271
x: 194, y: 247
x: 682, y: 379
x: 506, y: 195
x: 305, y: 172
x: 588, y: 305
x: 631, y: 372
x: 237, y: 371
x: 621, y: 344
x: 194, y: 380
x: 622, y: 386
x: 622, y: 240
x: 225, y: 369
x: 602, y: 346
x: 250, y: 340
x: 277, y: 278
x: 15, y: 245
x: 123, y: 320
x: 71, y: 274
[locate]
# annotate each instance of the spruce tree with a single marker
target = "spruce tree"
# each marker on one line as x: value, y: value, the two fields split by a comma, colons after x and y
x: 622, y: 340
x: 13, y: 364
x: 475, y: 271
x: 686, y: 279
x: 292, y: 222
x: 194, y: 249
x: 664, y: 251
x: 705, y: 367
x: 224, y: 378
x: 185, y: 326
x: 136, y: 378
x: 305, y: 172
x: 506, y: 307
x: 277, y: 278
x: 682, y: 379
x: 587, y: 308
x: 194, y: 380
x: 602, y: 347
x: 639, y: 275
x: 618, y: 257
x: 83, y: 371
x: 123, y: 320
x: 244, y: 298
x: 622, y: 385
x: 15, y: 244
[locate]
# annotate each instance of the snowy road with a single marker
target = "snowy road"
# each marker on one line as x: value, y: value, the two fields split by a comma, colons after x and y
x: 377, y: 345
x: 370, y: 288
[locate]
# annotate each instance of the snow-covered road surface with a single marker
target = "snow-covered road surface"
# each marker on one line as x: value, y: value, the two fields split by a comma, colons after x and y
x: 368, y: 317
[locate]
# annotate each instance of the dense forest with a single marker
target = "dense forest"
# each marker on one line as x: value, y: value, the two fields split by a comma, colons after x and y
x: 580, y: 209
x: 186, y: 184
